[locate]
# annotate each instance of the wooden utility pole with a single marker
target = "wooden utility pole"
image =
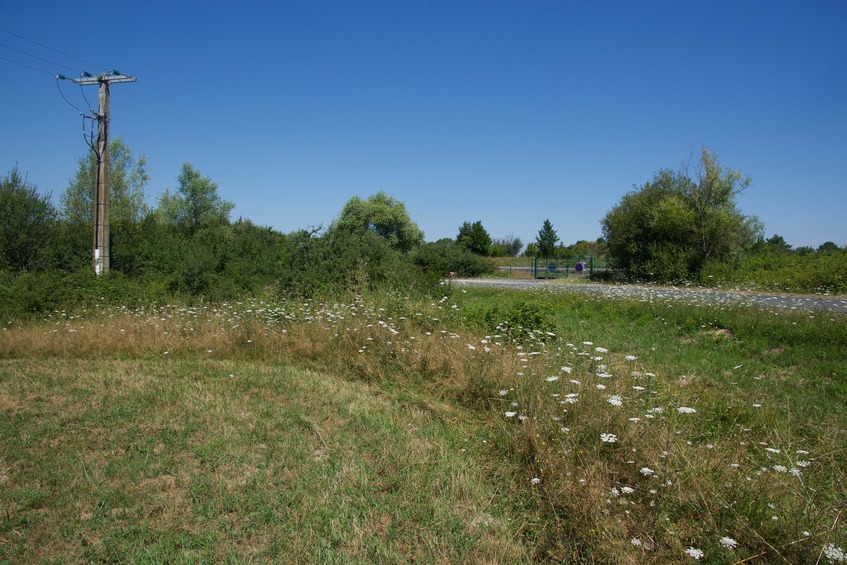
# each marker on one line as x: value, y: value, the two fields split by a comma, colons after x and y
x: 101, y: 190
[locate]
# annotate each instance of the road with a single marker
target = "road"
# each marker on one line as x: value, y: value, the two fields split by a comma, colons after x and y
x: 705, y: 296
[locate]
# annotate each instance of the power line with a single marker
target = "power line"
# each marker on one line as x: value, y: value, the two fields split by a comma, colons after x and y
x: 39, y: 58
x: 27, y: 66
x: 102, y: 67
x: 59, y: 88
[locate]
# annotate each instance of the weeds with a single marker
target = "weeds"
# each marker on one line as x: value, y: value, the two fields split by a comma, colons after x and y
x: 621, y: 431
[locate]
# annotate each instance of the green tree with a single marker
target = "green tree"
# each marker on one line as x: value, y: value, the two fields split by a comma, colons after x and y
x: 474, y: 238
x: 668, y: 228
x: 196, y: 203
x: 546, y: 240
x: 383, y: 215
x: 720, y: 230
x: 506, y: 247
x: 127, y: 180
x: 531, y: 249
x: 828, y: 247
x: 27, y: 224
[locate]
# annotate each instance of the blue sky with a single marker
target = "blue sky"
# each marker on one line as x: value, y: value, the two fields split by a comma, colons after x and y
x: 508, y: 112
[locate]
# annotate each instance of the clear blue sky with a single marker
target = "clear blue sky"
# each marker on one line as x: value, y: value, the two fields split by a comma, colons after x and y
x: 508, y: 112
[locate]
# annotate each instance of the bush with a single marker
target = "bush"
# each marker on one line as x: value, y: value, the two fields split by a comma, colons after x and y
x: 445, y: 256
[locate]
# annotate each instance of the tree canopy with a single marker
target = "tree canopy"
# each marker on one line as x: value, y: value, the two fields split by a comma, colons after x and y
x: 671, y: 226
x: 474, y: 238
x: 127, y: 181
x: 195, y: 204
x: 546, y: 240
x: 383, y: 215
x: 27, y: 221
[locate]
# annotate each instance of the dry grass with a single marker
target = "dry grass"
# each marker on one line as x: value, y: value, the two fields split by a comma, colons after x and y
x: 694, y: 459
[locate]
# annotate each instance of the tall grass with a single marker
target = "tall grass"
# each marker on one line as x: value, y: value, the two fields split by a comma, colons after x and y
x: 623, y: 431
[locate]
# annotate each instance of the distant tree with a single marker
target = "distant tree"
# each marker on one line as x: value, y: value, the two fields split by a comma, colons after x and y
x: 777, y: 244
x: 531, y: 250
x: 27, y: 224
x: 506, y: 247
x: 127, y: 180
x: 196, y: 203
x: 668, y: 228
x: 546, y: 240
x: 828, y: 247
x: 383, y: 215
x: 474, y: 238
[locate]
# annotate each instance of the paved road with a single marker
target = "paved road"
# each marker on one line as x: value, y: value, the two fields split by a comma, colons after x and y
x: 687, y: 295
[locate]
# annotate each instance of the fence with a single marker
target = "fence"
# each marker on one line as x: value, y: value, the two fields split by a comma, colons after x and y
x: 556, y: 268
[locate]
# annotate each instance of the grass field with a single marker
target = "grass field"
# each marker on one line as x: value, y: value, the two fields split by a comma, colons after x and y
x: 482, y: 426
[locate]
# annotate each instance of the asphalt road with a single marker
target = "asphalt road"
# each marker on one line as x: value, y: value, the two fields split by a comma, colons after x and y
x: 713, y: 297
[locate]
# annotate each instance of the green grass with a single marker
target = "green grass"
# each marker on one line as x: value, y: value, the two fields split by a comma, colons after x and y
x: 379, y: 430
x: 219, y: 460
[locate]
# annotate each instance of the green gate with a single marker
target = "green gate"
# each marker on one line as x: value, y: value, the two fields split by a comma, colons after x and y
x: 556, y: 268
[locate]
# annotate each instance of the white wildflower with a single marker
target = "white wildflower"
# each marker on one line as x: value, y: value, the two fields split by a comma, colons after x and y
x: 552, y: 378
x: 510, y: 414
x: 646, y: 471
x: 635, y: 541
x: 601, y: 350
x: 728, y: 542
x: 615, y: 400
x: 535, y: 480
x: 627, y: 490
x: 608, y: 438
x: 686, y: 410
x: 503, y: 392
x: 695, y: 553
x: 630, y: 357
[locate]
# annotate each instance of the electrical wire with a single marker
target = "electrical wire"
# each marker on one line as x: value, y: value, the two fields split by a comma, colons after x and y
x: 39, y: 58
x: 27, y: 66
x: 59, y: 88
x: 102, y: 67
x: 84, y: 97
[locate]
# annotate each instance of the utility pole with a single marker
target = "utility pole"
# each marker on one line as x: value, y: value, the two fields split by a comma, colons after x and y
x: 101, y: 151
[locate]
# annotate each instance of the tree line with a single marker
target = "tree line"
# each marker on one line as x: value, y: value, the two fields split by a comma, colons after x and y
x: 679, y: 226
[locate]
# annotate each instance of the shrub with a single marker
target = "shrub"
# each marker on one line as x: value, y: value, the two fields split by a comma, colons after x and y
x: 445, y: 256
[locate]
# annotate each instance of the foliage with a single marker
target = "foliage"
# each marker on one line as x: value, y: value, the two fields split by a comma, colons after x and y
x: 445, y: 256
x: 343, y: 262
x: 474, y: 238
x: 546, y: 240
x: 382, y: 215
x: 509, y: 246
x: 668, y: 229
x: 582, y: 248
x: 775, y: 268
x: 196, y: 203
x: 27, y: 224
x: 127, y: 181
